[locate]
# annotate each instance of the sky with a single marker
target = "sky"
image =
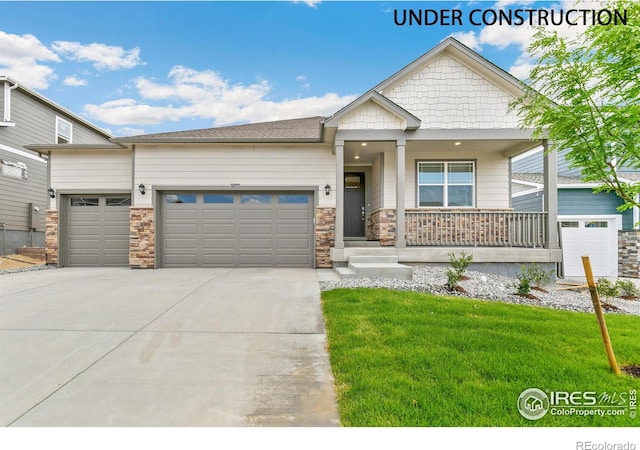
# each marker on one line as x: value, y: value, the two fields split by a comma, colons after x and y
x: 146, y: 67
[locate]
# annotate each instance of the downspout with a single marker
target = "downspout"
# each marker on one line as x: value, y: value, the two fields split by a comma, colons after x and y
x: 4, y: 240
x: 636, y: 214
x: 7, y: 100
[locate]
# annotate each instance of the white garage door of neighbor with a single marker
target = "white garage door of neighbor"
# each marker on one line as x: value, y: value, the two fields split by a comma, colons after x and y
x: 594, y: 236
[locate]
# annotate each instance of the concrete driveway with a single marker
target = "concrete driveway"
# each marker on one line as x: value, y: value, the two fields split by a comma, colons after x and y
x: 167, y: 347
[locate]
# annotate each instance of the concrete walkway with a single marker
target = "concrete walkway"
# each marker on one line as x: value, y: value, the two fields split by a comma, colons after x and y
x: 167, y: 347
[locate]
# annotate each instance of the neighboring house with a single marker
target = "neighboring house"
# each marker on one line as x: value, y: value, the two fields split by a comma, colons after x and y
x: 27, y: 117
x: 589, y: 222
x: 415, y: 168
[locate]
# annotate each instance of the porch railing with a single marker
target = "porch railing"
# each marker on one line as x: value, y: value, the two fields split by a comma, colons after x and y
x: 476, y: 228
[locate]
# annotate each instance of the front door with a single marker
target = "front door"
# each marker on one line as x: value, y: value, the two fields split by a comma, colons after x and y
x: 354, y: 214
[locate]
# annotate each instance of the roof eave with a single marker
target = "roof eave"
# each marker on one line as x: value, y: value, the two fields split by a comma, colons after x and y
x: 412, y: 122
x: 196, y: 140
x: 44, y: 148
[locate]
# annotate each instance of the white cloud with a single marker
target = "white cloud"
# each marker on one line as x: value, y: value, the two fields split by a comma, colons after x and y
x: 128, y: 131
x: 192, y: 94
x: 21, y: 57
x: 74, y: 81
x: 301, y: 78
x: 311, y: 3
x: 102, y: 56
x: 468, y: 38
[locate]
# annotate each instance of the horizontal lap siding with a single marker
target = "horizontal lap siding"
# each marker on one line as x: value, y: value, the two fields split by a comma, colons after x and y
x: 584, y: 202
x: 36, y: 124
x: 16, y: 194
x: 91, y: 170
x: 203, y: 166
x: 492, y: 175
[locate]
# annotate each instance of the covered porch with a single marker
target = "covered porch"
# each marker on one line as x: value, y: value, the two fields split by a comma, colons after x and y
x: 403, y: 217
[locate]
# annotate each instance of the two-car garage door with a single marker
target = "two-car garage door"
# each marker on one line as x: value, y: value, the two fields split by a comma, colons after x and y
x: 237, y: 229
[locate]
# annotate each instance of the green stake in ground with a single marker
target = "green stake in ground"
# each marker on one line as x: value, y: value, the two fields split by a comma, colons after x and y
x: 601, y: 322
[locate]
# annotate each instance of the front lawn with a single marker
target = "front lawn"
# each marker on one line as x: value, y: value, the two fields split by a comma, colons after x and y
x: 412, y: 359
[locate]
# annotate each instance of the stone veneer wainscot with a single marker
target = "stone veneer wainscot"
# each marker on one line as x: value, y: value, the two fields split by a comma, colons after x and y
x: 325, y: 236
x: 142, y: 247
x: 51, y: 235
x: 629, y: 253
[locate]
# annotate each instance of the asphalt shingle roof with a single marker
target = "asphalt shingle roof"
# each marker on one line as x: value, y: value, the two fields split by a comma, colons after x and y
x: 538, y: 178
x: 308, y: 128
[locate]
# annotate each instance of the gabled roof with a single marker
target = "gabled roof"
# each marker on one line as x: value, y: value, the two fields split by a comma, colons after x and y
x: 455, y: 48
x: 412, y: 122
x: 307, y: 129
x: 53, y: 105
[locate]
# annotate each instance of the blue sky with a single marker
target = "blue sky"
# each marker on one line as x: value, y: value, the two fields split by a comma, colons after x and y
x: 146, y: 67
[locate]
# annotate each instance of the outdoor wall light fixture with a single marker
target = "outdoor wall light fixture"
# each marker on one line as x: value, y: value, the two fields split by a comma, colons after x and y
x: 327, y: 189
x: 141, y: 188
x: 51, y: 192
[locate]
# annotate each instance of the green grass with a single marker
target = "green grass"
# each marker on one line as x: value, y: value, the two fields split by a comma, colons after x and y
x: 412, y: 359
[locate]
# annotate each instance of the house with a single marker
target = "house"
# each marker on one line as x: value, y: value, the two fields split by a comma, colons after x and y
x: 413, y: 169
x: 28, y: 117
x: 590, y: 223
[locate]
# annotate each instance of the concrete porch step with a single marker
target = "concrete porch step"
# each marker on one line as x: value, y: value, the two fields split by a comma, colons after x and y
x: 382, y: 270
x: 375, y: 266
x: 361, y: 244
x: 390, y: 259
x: 345, y: 272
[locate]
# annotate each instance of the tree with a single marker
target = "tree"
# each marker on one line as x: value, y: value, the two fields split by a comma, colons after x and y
x: 584, y: 93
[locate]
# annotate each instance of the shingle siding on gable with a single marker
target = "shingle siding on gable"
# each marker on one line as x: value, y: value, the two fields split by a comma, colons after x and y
x: 446, y: 94
x: 371, y: 116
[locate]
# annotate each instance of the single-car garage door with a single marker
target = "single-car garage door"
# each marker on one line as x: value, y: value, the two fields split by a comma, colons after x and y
x: 231, y: 229
x: 98, y: 230
x: 594, y: 236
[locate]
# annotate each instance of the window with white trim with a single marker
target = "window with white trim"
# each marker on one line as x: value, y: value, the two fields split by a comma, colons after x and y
x: 64, y: 131
x: 446, y: 184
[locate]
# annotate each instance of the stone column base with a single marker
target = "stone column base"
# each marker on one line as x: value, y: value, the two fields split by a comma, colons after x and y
x: 381, y: 226
x: 142, y: 239
x: 52, y: 225
x: 629, y: 253
x: 325, y: 236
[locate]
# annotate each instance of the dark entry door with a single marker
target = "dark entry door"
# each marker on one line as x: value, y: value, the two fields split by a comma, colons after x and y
x: 354, y: 214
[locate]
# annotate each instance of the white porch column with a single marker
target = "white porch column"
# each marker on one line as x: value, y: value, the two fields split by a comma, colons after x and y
x: 400, y: 163
x: 551, y: 194
x: 339, y: 226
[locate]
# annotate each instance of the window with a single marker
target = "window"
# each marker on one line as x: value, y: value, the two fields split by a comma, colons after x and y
x: 569, y: 224
x: 218, y: 198
x: 84, y: 201
x: 118, y: 201
x: 13, y: 169
x: 64, y: 131
x: 293, y: 198
x: 594, y: 224
x: 446, y: 184
x: 181, y: 198
x: 256, y: 199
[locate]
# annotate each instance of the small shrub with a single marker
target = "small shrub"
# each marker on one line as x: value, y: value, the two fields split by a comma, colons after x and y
x: 523, y: 286
x: 453, y: 278
x: 627, y: 289
x: 461, y: 263
x: 607, y: 288
x: 459, y: 266
x: 538, y: 276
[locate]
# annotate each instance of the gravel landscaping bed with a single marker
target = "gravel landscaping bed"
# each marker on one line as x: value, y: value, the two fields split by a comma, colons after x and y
x: 485, y: 286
